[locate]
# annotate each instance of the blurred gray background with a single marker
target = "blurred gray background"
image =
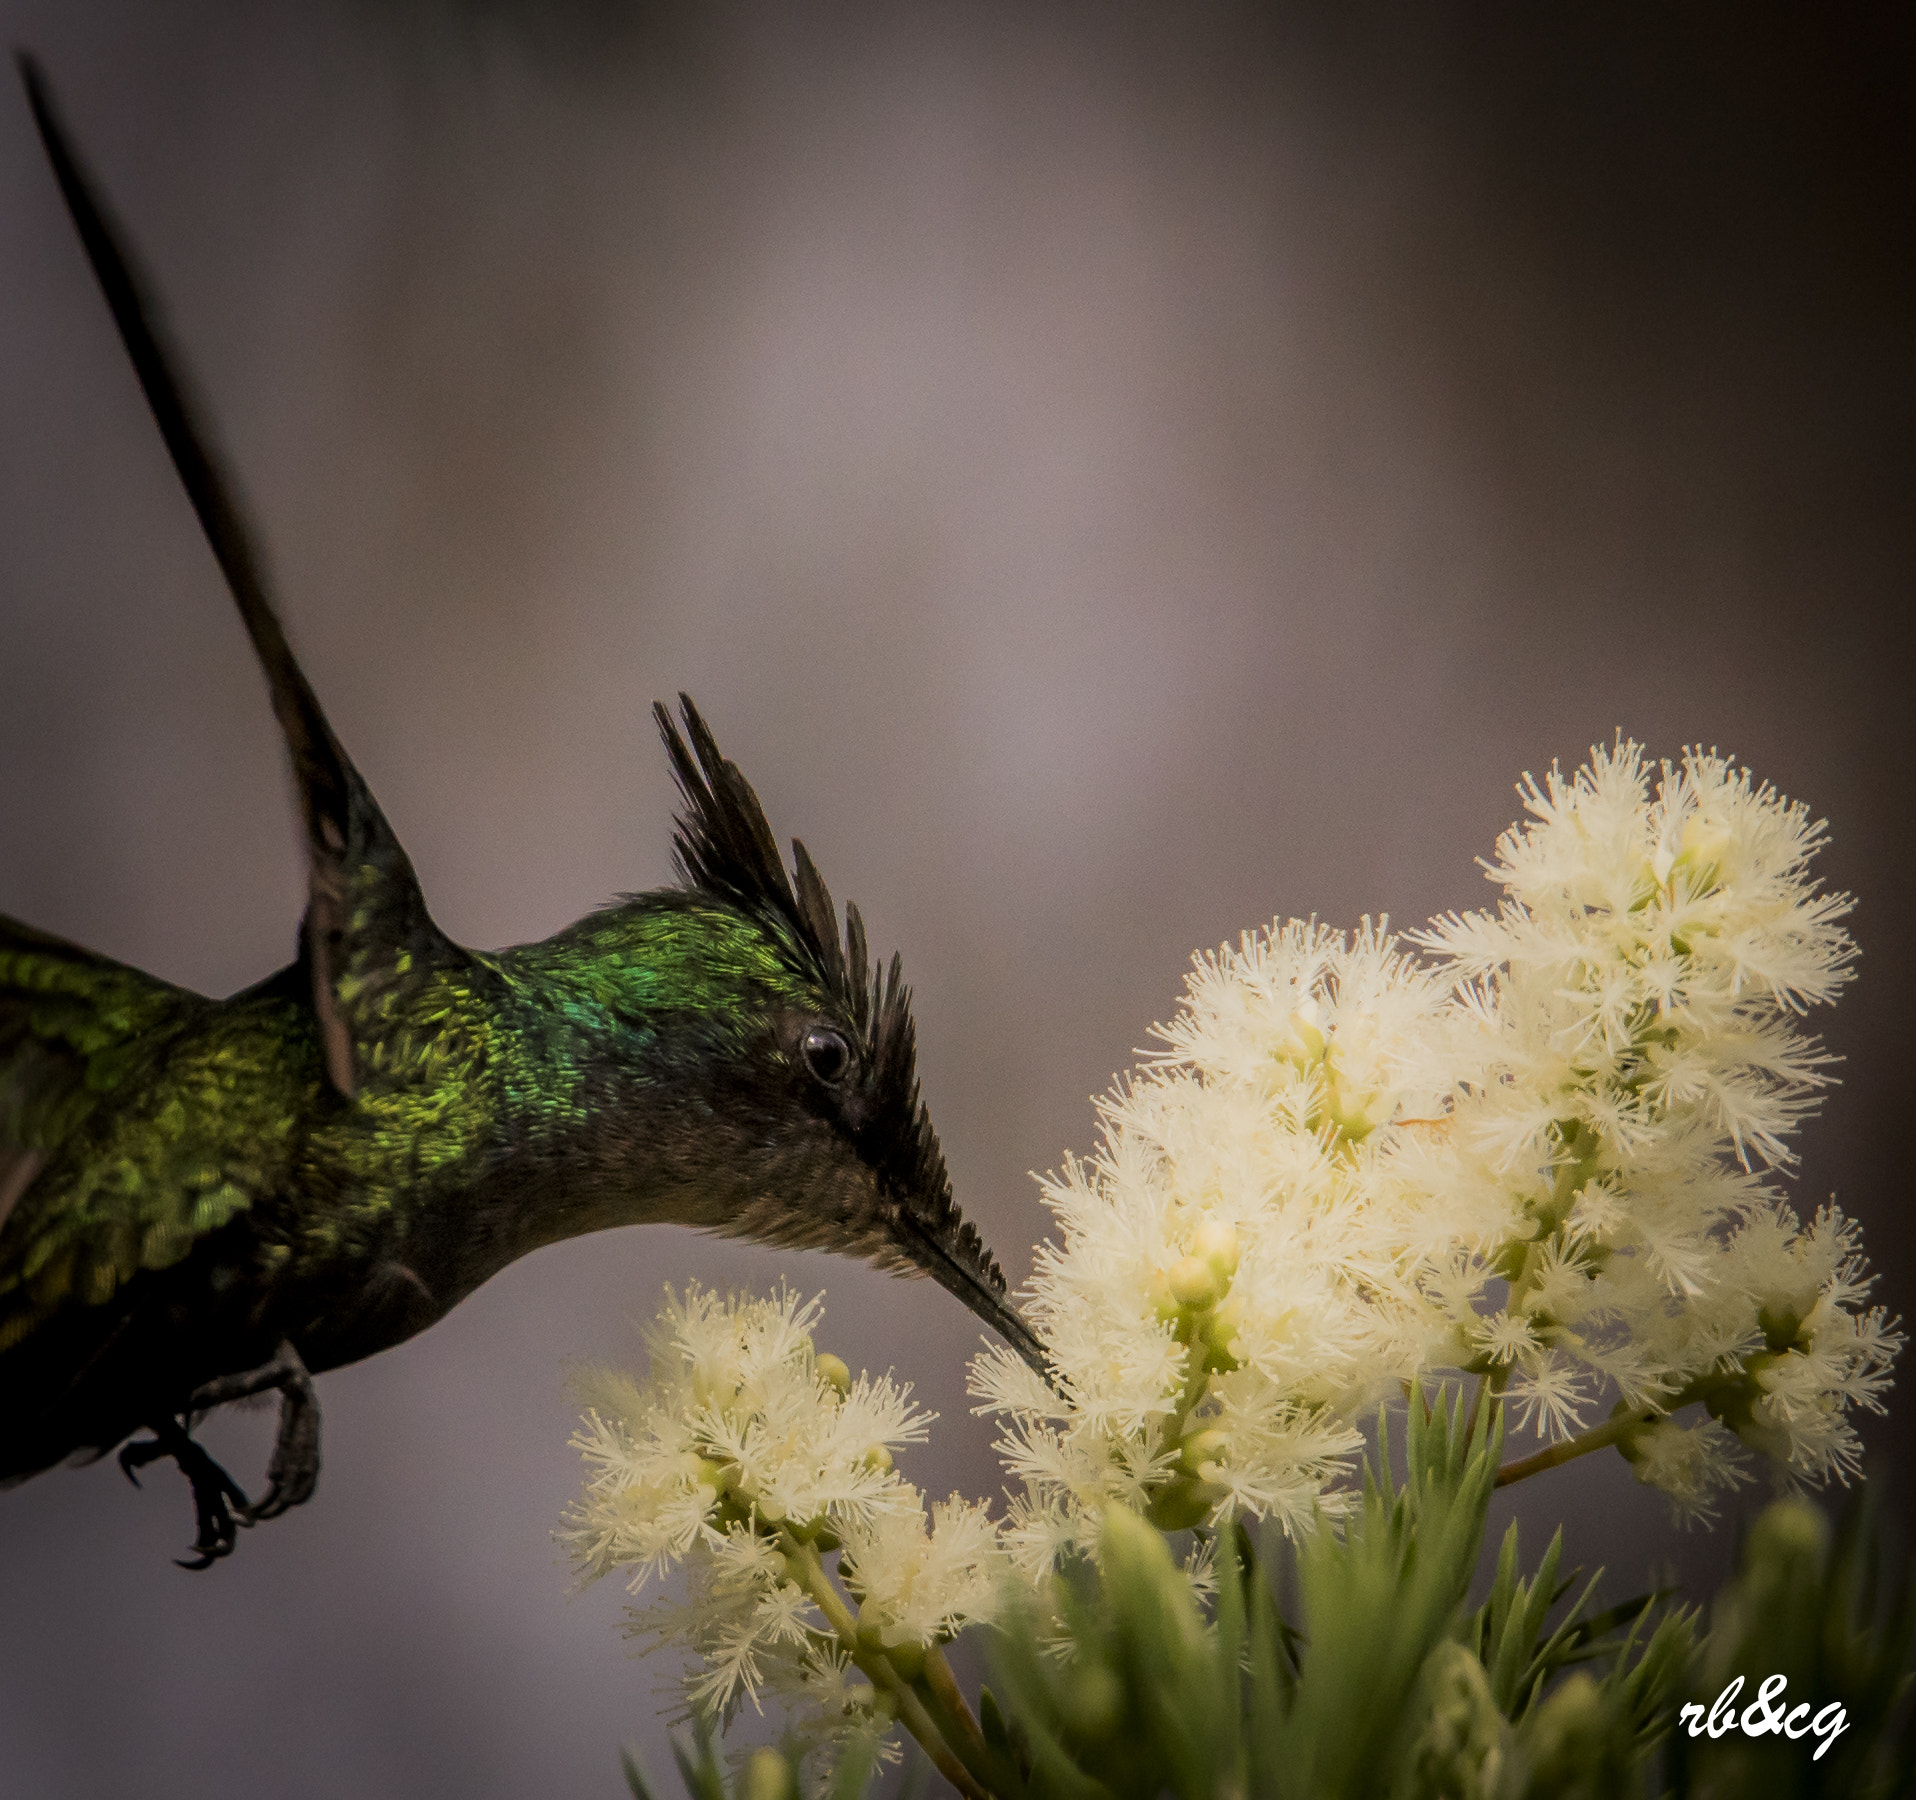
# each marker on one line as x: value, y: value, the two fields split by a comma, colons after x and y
x: 1111, y: 475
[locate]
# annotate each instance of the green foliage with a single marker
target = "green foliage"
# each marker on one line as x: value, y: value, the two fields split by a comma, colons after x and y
x: 1378, y: 1599
x: 1149, y: 1699
x: 1825, y: 1612
x: 1122, y: 1687
x: 1488, y: 1725
x: 766, y: 1774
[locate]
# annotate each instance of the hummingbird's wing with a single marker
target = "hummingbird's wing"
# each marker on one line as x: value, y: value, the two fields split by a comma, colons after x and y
x: 367, y: 931
x: 78, y: 1032
x: 75, y: 1027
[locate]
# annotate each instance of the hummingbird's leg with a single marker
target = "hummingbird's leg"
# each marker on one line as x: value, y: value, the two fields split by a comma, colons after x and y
x: 215, y: 1492
x: 294, y: 1471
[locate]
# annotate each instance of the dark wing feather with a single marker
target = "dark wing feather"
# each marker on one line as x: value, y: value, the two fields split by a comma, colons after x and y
x: 367, y: 927
x: 69, y: 1023
x: 76, y: 1031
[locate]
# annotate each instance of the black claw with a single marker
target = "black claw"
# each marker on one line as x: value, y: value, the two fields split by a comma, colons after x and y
x: 289, y: 1481
x: 215, y: 1493
x: 218, y: 1528
x: 138, y: 1453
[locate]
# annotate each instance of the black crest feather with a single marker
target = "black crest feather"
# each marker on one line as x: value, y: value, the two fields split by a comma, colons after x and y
x: 723, y: 846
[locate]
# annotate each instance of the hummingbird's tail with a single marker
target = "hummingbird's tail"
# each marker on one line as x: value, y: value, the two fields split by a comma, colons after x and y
x: 367, y: 931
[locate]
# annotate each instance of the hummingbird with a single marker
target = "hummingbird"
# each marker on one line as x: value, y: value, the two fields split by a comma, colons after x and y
x: 203, y: 1200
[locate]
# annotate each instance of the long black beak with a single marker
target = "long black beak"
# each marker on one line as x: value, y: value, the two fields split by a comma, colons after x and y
x: 978, y: 1294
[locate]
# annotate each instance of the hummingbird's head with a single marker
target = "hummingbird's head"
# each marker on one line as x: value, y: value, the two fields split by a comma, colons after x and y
x: 834, y: 1144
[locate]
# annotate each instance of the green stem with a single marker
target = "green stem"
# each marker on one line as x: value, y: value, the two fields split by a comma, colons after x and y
x: 1556, y: 1455
x: 945, y: 1701
x: 941, y: 1681
x: 807, y: 1569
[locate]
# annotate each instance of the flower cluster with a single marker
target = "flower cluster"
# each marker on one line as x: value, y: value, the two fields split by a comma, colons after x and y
x: 1540, y: 1156
x: 1231, y: 1292
x: 746, y: 1459
x: 1628, y: 1066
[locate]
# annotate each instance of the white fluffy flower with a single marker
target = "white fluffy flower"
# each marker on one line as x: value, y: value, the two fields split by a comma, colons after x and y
x: 737, y: 1425
x: 1232, y: 1286
x: 1541, y: 1158
x: 1690, y: 1464
x: 745, y: 1459
x: 1628, y: 1061
x: 742, y: 1621
x: 921, y: 1579
x: 744, y: 1448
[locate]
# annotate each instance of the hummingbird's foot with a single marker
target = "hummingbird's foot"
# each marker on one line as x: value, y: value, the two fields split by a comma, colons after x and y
x: 215, y: 1493
x: 294, y: 1471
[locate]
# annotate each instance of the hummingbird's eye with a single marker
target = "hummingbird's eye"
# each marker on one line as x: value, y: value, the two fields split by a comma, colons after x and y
x: 826, y: 1054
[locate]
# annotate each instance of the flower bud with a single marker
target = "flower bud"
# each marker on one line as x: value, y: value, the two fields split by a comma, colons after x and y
x: 1181, y: 1503
x: 1461, y: 1748
x: 1564, y: 1736
x: 1349, y: 1109
x: 1221, y: 1359
x: 1094, y: 1701
x: 832, y: 1371
x: 1631, y: 1446
x: 1201, y: 1450
x: 1706, y: 845
x: 768, y: 1776
x: 1192, y: 1283
x: 1304, y: 1039
x: 1788, y: 1531
x: 908, y: 1658
x: 877, y: 1457
x: 1215, y: 1242
x: 1163, y: 1303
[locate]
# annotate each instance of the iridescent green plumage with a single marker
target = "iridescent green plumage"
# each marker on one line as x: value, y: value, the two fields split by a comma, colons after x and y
x: 201, y: 1199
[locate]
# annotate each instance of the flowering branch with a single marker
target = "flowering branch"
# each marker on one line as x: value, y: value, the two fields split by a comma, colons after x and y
x: 805, y: 1565
x: 1617, y: 1431
x: 1532, y: 1144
